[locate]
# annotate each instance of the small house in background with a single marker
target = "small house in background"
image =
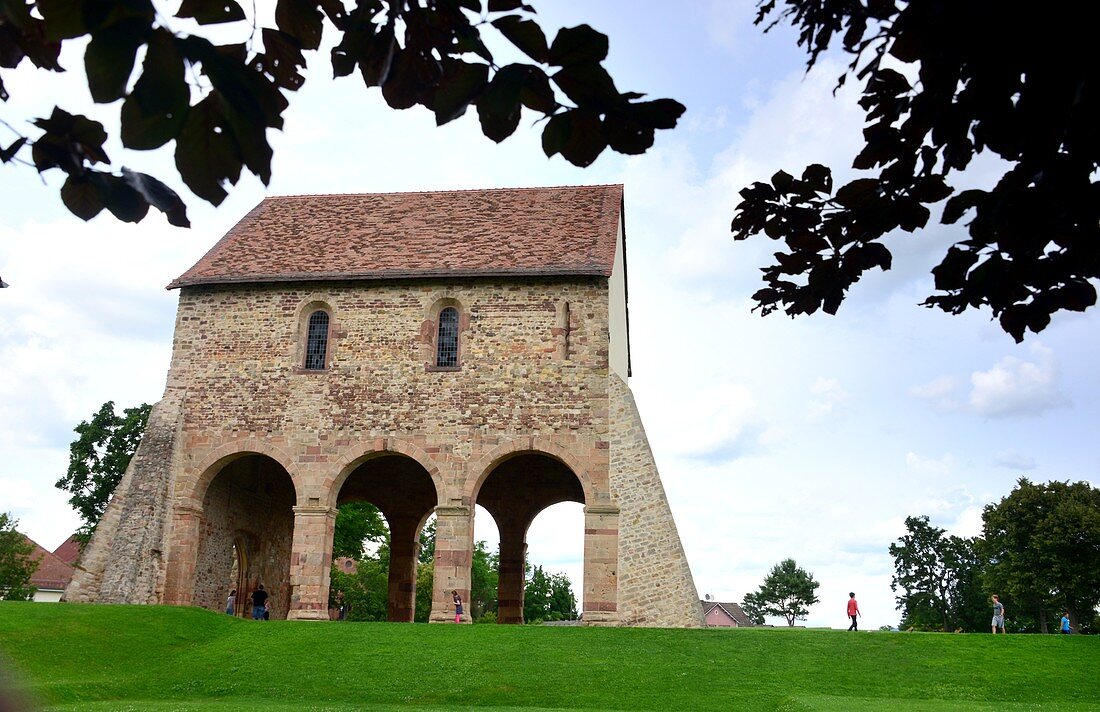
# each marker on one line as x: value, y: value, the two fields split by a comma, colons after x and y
x: 725, y: 615
x: 52, y: 575
x: 69, y: 552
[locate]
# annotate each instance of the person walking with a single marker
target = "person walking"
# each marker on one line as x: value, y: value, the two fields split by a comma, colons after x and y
x: 998, y: 615
x: 231, y: 603
x: 259, y: 603
x: 458, y: 606
x: 1065, y: 629
x: 853, y: 611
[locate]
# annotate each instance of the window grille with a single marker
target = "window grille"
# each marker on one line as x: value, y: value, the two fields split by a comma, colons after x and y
x: 447, y: 345
x: 317, y: 343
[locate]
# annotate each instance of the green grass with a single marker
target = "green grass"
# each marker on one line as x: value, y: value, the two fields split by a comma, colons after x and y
x: 79, y: 657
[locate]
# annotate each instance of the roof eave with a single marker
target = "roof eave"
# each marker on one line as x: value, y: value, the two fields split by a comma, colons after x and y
x: 389, y: 275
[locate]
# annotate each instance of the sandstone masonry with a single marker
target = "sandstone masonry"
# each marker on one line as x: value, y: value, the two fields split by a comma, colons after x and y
x: 249, y: 453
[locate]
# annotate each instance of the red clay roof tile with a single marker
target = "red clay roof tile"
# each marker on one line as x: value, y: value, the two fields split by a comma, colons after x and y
x: 52, y: 573
x: 462, y: 233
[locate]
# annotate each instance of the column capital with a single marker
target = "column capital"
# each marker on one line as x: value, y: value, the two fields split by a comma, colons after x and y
x: 452, y: 511
x: 601, y: 509
x: 315, y: 511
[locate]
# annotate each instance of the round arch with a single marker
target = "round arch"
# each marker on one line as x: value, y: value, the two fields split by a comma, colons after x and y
x: 218, y: 458
x: 359, y: 453
x: 480, y: 470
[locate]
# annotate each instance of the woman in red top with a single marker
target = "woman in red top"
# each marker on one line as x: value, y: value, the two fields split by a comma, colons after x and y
x: 853, y: 611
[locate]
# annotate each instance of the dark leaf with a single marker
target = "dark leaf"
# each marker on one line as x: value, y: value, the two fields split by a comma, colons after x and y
x: 536, y: 93
x: 586, y: 138
x: 818, y: 177
x: 82, y: 196
x: 281, y: 58
x: 578, y: 44
x: 156, y: 109
x: 627, y: 136
x: 951, y: 272
x: 206, y: 155
x: 508, y: 5
x: 109, y: 58
x: 1014, y: 321
x: 302, y: 20
x: 857, y: 193
x: 498, y: 107
x: 658, y: 114
x: 957, y: 206
x: 556, y: 133
x: 782, y: 180
x: 462, y: 83
x: 6, y: 154
x: 525, y: 35
x: 159, y: 196
x: 124, y: 202
x: 588, y: 85
x: 211, y: 12
x: 931, y: 189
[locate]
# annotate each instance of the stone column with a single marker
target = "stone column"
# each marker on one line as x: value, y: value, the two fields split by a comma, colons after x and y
x: 183, y: 550
x: 401, y: 601
x: 601, y: 560
x: 513, y: 550
x: 311, y: 562
x: 454, y: 543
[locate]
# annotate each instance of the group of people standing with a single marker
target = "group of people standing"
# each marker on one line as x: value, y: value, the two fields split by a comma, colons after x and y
x: 261, y: 604
x: 998, y: 616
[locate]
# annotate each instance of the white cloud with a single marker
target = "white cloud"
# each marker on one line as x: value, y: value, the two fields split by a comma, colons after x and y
x: 828, y: 394
x: 941, y: 392
x: 1017, y: 387
x: 929, y: 466
x: 1014, y: 460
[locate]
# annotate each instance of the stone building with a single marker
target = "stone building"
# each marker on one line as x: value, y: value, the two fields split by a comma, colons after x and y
x: 425, y: 352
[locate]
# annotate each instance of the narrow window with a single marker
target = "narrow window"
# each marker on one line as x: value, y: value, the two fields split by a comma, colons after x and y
x: 446, y: 350
x: 317, y: 343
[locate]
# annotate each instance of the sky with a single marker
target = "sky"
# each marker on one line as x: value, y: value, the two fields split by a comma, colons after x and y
x: 809, y: 438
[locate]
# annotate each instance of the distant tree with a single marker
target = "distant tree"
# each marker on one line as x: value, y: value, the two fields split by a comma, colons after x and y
x: 1043, y: 546
x: 357, y: 523
x: 942, y: 83
x: 425, y: 582
x: 426, y: 554
x: 787, y: 591
x: 753, y: 608
x: 563, y: 604
x: 939, y: 578
x: 16, y: 564
x: 536, y: 596
x: 98, y: 459
x: 217, y: 102
x: 366, y: 591
x: 484, y: 580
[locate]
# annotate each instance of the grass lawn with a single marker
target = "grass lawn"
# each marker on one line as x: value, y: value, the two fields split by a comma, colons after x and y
x: 82, y: 657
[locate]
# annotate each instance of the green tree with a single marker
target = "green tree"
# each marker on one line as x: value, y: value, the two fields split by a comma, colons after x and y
x: 218, y: 102
x: 1030, y: 247
x: 939, y: 578
x: 1043, y: 546
x: 787, y: 591
x: 357, y: 523
x: 536, y: 596
x: 16, y: 564
x: 98, y: 458
x: 425, y: 582
x: 366, y: 591
x: 562, y: 605
x: 426, y: 554
x: 485, y: 579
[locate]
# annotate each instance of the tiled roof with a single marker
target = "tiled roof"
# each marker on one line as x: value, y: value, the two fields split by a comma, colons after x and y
x: 52, y: 573
x: 732, y: 610
x: 459, y: 233
x: 68, y: 552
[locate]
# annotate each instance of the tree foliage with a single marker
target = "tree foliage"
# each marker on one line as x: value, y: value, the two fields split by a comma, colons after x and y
x: 939, y: 578
x: 357, y: 523
x: 16, y: 564
x: 1042, y: 542
x: 98, y: 459
x: 944, y: 81
x: 548, y: 597
x: 787, y: 591
x: 217, y: 102
x: 484, y: 581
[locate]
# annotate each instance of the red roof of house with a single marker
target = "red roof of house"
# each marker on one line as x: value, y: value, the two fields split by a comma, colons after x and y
x: 456, y: 233
x: 52, y: 573
x: 68, y: 552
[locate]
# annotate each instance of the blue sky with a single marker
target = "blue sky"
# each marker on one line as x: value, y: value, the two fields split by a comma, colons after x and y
x: 811, y: 438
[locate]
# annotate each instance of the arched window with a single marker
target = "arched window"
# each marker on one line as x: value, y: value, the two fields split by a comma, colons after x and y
x: 446, y: 346
x: 317, y: 341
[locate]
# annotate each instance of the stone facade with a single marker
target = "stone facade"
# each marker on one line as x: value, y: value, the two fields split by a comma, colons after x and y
x: 248, y: 454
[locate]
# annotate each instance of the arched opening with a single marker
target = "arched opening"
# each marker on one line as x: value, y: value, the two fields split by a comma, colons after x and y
x: 514, y: 493
x: 404, y: 494
x: 246, y: 536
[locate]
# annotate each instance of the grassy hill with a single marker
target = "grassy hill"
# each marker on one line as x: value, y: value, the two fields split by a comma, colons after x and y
x: 79, y: 657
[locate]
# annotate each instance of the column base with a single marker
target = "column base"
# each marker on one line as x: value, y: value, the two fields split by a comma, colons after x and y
x: 600, y: 618
x: 307, y: 616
